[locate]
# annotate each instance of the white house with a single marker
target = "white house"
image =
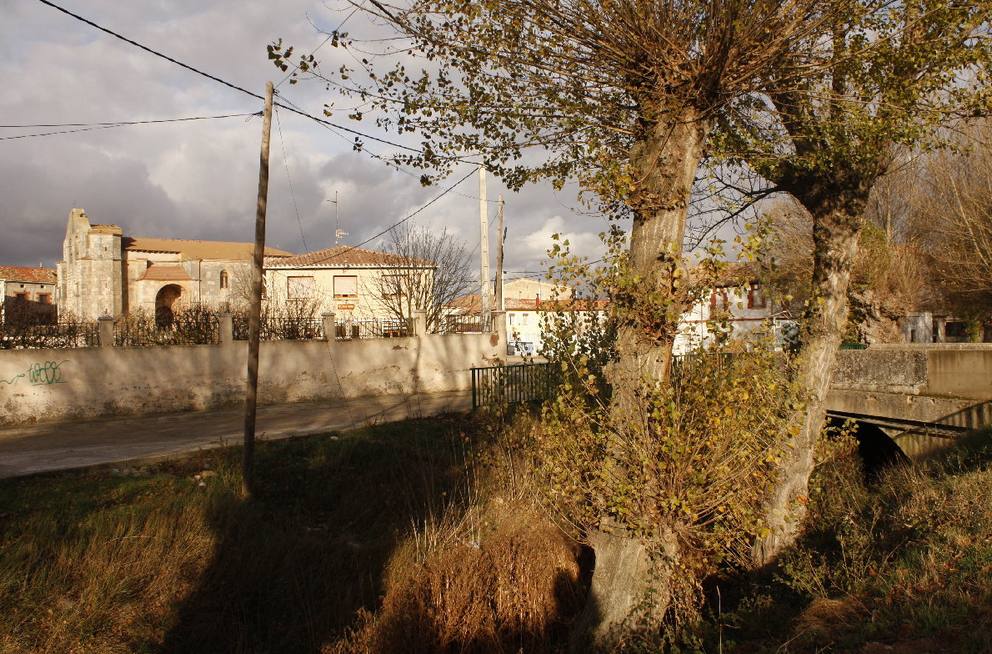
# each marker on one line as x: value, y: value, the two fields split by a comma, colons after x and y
x: 746, y: 306
x: 343, y: 280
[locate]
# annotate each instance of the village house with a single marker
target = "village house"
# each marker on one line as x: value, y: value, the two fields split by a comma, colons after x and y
x: 744, y: 305
x: 353, y: 283
x: 27, y: 294
x: 105, y: 273
x: 744, y: 308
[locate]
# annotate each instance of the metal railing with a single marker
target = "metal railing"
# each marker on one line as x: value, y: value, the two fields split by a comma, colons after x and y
x: 273, y: 328
x: 145, y: 331
x: 465, y: 324
x: 58, y: 335
x: 524, y: 382
x: 366, y: 329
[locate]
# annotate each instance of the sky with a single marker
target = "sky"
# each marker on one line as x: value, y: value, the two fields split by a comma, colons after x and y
x: 198, y: 180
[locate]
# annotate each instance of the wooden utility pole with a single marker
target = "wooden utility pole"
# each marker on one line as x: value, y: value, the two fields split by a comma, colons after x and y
x: 484, y: 291
x: 500, y: 304
x: 255, y: 310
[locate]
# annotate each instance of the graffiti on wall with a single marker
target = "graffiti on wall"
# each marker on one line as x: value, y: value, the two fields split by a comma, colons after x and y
x: 39, y: 373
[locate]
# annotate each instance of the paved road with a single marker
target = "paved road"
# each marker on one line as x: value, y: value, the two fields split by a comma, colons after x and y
x: 60, y: 446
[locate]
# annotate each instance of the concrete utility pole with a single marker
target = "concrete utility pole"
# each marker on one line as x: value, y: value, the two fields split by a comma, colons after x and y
x: 484, y: 291
x: 500, y: 303
x: 255, y: 310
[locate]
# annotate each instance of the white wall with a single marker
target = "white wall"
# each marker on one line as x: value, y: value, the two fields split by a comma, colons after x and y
x: 59, y: 385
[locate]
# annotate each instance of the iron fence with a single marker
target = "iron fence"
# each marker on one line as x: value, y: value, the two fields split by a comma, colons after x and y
x: 58, y: 335
x: 273, y: 328
x: 466, y: 324
x: 187, y: 328
x: 514, y: 384
x: 366, y: 329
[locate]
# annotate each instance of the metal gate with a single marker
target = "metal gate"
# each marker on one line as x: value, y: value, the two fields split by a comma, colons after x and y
x: 524, y: 382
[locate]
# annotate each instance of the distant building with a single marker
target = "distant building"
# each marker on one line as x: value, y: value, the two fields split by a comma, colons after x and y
x: 27, y: 294
x: 744, y: 303
x: 104, y: 272
x: 525, y: 303
x: 943, y: 327
x: 745, y: 306
x: 345, y: 280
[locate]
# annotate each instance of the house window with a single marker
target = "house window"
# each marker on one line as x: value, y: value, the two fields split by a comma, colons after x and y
x: 21, y: 297
x: 345, y: 286
x: 300, y: 288
x: 756, y: 297
x: 392, y: 287
x: 223, y: 279
x: 45, y: 298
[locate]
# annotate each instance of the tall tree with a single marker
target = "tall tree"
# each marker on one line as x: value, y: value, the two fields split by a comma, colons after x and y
x: 619, y: 95
x: 959, y: 245
x: 892, y: 77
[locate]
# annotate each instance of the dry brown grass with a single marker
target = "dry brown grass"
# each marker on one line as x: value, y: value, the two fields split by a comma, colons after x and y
x: 511, y: 590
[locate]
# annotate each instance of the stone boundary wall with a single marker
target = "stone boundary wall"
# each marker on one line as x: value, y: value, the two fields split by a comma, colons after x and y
x: 958, y: 370
x: 72, y: 384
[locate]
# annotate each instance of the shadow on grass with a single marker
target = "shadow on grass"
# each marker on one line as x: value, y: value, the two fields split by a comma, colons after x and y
x: 292, y: 567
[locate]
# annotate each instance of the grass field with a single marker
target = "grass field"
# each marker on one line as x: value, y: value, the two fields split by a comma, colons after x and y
x: 903, y: 566
x: 169, y: 557
x: 380, y: 540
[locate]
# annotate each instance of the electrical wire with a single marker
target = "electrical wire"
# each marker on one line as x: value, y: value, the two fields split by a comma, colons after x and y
x: 289, y: 178
x: 231, y: 85
x: 89, y: 127
x: 402, y: 220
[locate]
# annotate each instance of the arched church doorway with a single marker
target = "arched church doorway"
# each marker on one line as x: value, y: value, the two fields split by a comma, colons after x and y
x: 165, y: 304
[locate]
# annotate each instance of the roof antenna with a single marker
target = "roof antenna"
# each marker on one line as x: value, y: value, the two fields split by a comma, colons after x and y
x: 338, y: 232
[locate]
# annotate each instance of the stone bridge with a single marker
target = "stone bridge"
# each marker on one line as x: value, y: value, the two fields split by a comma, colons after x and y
x: 921, y: 396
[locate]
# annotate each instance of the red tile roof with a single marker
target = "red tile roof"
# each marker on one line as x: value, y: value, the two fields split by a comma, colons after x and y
x: 343, y: 256
x: 191, y: 250
x: 28, y: 274
x: 166, y: 273
x: 471, y: 304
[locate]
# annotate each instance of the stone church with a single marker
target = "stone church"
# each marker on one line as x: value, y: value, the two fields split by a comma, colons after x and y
x: 105, y: 273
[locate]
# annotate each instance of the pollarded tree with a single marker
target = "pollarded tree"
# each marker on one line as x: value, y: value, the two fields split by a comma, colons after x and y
x: 891, y: 78
x: 618, y: 95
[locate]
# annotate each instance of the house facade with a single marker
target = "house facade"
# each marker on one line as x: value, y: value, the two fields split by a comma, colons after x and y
x: 744, y: 308
x: 353, y: 283
x: 27, y: 294
x: 103, y: 272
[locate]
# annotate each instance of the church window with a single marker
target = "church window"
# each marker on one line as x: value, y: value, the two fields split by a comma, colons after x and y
x: 223, y: 279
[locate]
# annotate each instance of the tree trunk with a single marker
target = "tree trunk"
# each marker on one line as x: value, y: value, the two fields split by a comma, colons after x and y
x: 665, y: 165
x: 835, y: 240
x: 627, y: 586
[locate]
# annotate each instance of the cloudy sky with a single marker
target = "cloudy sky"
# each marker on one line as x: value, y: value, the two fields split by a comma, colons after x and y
x: 198, y: 180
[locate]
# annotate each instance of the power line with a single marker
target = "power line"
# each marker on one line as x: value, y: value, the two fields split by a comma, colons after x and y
x: 89, y: 127
x: 405, y: 219
x: 292, y: 191
x: 230, y: 84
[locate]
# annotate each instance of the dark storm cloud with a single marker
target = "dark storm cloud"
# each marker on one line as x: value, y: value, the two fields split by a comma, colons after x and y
x: 199, y: 180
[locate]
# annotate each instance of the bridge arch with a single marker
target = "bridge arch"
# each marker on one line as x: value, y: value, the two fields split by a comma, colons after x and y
x: 878, y: 450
